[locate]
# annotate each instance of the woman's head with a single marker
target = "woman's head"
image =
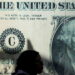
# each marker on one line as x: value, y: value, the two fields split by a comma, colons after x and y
x: 30, y: 61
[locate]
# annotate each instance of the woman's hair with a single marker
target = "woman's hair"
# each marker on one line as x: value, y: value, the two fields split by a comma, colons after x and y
x: 27, y: 60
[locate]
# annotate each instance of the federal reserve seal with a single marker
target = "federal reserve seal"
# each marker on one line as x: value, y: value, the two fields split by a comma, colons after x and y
x: 12, y: 41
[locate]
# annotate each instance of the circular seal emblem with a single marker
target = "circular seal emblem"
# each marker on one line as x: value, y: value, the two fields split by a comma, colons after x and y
x: 12, y: 41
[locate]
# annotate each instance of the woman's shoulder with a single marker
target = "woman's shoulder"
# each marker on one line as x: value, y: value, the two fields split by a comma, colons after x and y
x: 20, y: 72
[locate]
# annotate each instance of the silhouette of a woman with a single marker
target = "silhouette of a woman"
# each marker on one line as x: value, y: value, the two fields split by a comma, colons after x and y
x: 29, y: 63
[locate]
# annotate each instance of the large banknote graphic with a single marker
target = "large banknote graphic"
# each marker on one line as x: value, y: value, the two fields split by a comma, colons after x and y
x: 45, y: 26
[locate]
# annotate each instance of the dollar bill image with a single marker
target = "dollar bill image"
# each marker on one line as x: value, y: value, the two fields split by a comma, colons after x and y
x: 47, y: 26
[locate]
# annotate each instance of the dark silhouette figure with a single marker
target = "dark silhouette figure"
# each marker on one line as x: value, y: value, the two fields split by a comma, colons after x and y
x: 29, y: 63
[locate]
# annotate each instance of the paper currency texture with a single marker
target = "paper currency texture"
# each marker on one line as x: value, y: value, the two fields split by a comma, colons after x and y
x: 45, y: 26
